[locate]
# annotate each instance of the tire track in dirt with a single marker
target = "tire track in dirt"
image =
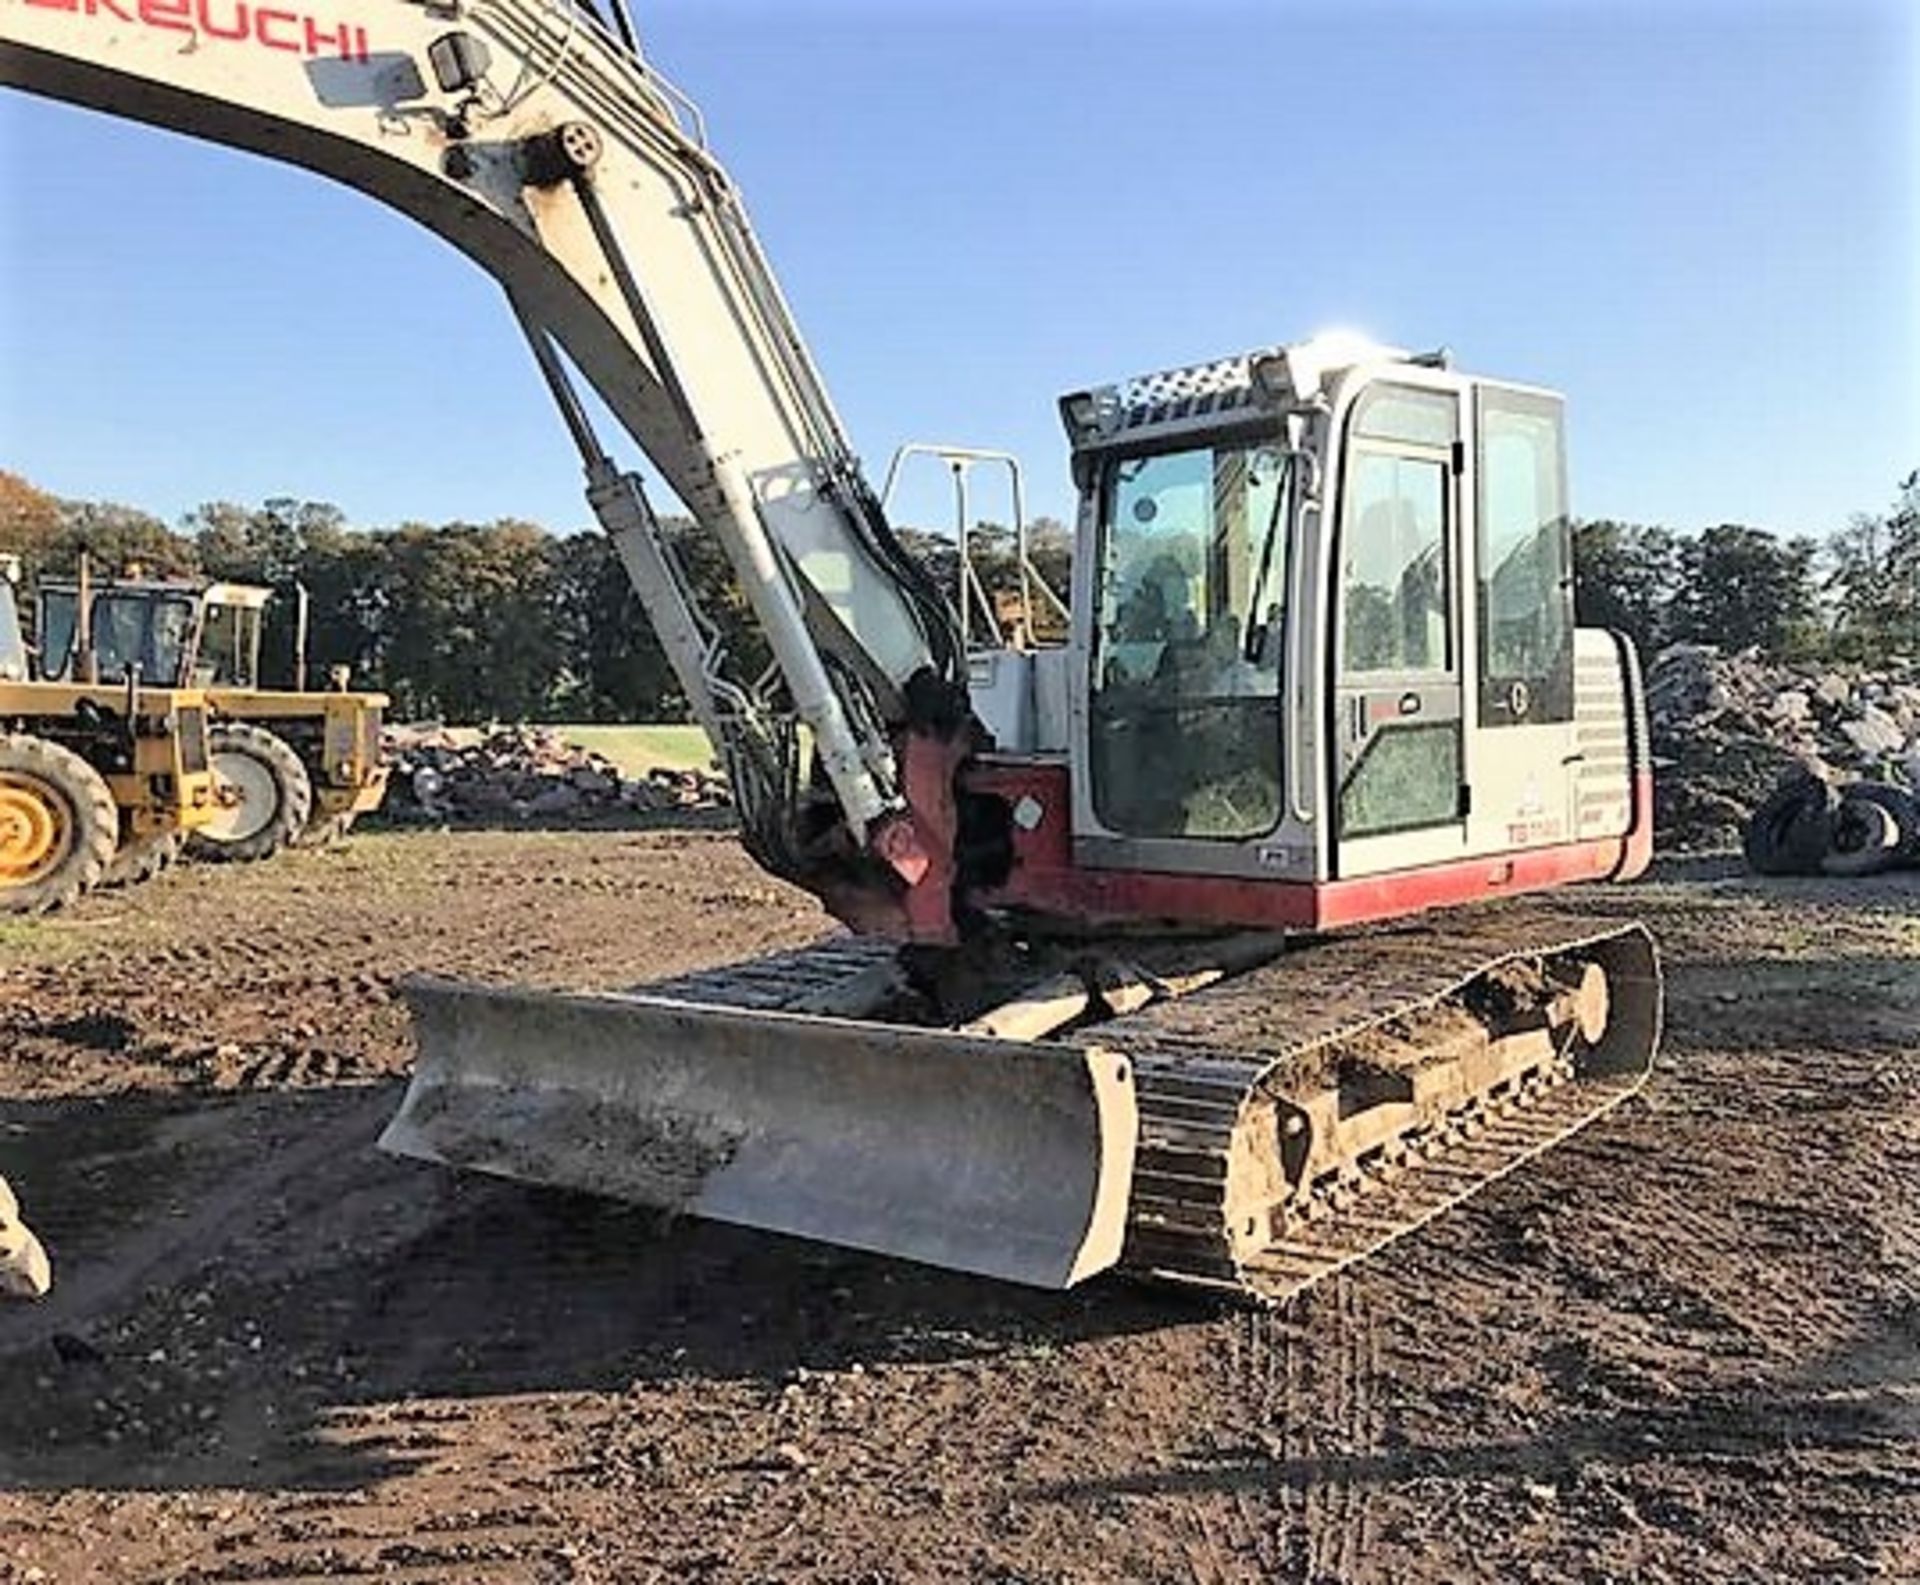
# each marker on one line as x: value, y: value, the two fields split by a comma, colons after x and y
x: 1766, y: 1295
x: 1263, y: 1357
x: 164, y: 1252
x: 1307, y: 1376
x: 1277, y: 1352
x: 460, y: 1503
x: 481, y: 1546
x: 1334, y: 1524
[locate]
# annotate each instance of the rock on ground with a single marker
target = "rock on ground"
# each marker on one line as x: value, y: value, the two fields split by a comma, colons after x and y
x: 1725, y: 727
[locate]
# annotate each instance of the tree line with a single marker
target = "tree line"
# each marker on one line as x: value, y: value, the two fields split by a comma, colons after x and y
x: 458, y: 621
x: 504, y: 620
x: 1854, y: 596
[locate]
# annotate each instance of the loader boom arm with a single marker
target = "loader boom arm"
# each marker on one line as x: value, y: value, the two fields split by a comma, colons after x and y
x: 537, y: 140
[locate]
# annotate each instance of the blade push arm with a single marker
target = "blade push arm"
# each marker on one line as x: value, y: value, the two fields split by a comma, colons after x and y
x: 545, y: 148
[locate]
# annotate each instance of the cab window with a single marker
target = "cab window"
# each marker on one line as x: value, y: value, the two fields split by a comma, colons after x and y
x: 1525, y: 563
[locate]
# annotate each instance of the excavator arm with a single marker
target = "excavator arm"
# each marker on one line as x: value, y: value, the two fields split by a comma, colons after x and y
x: 534, y: 137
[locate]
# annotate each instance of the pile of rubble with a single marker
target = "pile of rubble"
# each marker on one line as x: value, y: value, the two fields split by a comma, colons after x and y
x: 1727, y: 728
x: 527, y: 773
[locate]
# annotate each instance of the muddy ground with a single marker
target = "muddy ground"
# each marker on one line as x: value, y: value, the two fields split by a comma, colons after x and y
x: 1685, y: 1346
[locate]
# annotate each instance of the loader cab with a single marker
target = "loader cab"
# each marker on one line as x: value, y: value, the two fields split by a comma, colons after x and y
x: 178, y: 632
x: 232, y: 625
x: 1324, y: 664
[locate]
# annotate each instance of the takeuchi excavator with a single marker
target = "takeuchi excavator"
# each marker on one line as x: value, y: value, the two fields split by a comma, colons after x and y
x: 1158, y: 951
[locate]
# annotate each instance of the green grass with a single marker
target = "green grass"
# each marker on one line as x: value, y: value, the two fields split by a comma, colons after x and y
x: 25, y: 941
x: 639, y: 749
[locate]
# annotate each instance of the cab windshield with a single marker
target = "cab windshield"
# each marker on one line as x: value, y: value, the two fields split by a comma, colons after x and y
x: 143, y: 630
x: 1186, y: 658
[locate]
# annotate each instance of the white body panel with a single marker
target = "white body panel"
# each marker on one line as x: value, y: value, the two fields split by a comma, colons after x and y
x: 1021, y: 697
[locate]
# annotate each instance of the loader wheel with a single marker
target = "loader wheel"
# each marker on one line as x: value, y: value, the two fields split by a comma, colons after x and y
x: 139, y: 859
x: 1787, y: 834
x: 58, y: 826
x: 1902, y: 807
x: 265, y: 796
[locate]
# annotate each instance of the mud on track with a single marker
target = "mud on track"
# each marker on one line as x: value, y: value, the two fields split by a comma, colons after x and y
x: 1684, y: 1347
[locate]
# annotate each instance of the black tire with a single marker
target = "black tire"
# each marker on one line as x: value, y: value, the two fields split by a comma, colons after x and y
x: 58, y: 826
x: 266, y: 798
x: 1788, y: 833
x: 139, y: 859
x: 1863, y: 839
x: 1901, y: 805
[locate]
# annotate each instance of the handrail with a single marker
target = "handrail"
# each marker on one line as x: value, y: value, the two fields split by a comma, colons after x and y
x: 960, y: 461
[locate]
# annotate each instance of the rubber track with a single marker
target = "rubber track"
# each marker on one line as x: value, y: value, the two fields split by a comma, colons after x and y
x: 1198, y: 1059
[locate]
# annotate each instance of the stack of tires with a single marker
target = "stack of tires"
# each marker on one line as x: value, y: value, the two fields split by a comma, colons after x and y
x: 1808, y: 826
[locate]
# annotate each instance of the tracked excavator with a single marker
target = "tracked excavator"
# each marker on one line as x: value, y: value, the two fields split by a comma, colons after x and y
x: 1195, y: 946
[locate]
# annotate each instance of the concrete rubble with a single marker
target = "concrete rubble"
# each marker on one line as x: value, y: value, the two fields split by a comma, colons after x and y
x: 527, y: 773
x: 1725, y: 729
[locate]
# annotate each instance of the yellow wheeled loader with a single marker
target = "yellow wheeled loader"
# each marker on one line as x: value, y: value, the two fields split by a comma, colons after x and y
x: 295, y: 765
x: 99, y: 782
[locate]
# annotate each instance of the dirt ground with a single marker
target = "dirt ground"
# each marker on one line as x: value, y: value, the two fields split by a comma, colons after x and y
x: 1683, y: 1347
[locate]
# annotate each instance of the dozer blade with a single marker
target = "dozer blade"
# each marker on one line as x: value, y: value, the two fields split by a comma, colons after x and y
x: 998, y: 1157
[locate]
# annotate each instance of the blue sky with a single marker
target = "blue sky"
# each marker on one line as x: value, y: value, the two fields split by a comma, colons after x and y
x: 1697, y: 219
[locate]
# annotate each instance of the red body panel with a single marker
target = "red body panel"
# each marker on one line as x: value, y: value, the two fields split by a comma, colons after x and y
x: 1045, y: 880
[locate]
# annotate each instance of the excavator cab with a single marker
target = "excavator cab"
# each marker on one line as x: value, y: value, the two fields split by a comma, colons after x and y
x: 1324, y: 666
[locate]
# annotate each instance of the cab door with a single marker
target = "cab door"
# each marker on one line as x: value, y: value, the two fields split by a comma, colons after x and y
x: 1398, y: 738
x: 1524, y: 738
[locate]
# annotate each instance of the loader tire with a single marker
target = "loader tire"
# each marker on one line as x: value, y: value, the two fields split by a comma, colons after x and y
x: 266, y: 797
x: 1901, y: 806
x: 58, y: 826
x: 139, y: 859
x: 1788, y: 833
